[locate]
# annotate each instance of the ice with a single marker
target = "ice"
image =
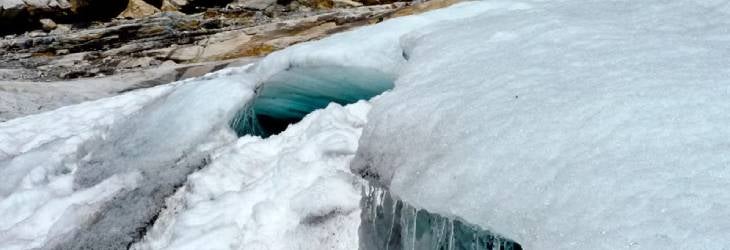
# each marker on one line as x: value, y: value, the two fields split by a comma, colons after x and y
x: 388, y: 223
x: 557, y: 124
x: 289, y: 95
x: 290, y: 191
x: 566, y: 125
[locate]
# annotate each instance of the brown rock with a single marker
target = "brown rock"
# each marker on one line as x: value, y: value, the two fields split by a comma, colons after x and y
x: 346, y: 3
x: 48, y: 24
x: 169, y: 6
x: 139, y: 8
x: 185, y: 54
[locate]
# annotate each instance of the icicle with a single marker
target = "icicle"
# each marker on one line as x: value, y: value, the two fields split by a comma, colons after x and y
x: 394, y: 225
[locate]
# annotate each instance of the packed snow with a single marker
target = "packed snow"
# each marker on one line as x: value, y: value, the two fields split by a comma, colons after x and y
x: 557, y: 124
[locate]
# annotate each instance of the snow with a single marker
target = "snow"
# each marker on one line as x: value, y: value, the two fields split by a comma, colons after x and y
x: 375, y: 47
x: 557, y: 124
x: 36, y: 155
x: 566, y: 125
x: 118, y: 160
x: 290, y: 191
x: 88, y: 156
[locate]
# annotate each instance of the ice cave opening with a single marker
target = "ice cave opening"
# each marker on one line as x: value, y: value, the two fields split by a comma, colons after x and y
x: 288, y: 96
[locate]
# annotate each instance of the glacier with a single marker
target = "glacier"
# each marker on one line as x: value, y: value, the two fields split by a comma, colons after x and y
x: 566, y: 124
x: 552, y: 124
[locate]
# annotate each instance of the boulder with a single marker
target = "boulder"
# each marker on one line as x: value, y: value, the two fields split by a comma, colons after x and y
x: 138, y: 9
x: 48, y: 24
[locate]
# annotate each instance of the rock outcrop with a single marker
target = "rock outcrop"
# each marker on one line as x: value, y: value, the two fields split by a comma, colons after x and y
x: 124, y: 45
x: 20, y: 15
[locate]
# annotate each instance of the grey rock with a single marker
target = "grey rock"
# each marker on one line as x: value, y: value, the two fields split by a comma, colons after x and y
x: 48, y: 24
x: 254, y: 4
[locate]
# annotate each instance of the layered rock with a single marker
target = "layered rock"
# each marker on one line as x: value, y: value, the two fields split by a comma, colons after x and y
x: 126, y: 45
x: 24, y: 15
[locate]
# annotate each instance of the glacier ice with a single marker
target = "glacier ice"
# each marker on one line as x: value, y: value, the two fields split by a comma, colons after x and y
x: 289, y: 95
x: 558, y: 124
x: 388, y: 223
x: 566, y: 124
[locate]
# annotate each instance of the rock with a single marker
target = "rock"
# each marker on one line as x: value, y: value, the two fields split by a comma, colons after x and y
x: 138, y: 9
x: 254, y: 4
x: 185, y: 54
x: 123, y: 45
x: 177, y: 4
x: 25, y: 14
x: 317, y: 4
x: 140, y: 62
x: 36, y: 33
x: 223, y: 49
x: 62, y: 52
x: 48, y: 24
x: 168, y: 63
x: 169, y: 6
x: 61, y: 29
x: 346, y: 3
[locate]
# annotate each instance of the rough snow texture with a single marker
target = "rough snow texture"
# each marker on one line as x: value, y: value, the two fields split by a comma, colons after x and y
x: 88, y: 175
x: 566, y: 124
x: 290, y: 191
x: 37, y: 162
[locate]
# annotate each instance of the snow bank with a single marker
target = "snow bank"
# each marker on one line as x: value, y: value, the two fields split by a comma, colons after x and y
x: 37, y: 163
x: 375, y: 47
x: 77, y: 172
x: 566, y: 125
x: 289, y: 191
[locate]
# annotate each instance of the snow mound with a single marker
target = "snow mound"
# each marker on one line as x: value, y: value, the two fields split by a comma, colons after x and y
x: 289, y: 191
x: 66, y: 172
x: 566, y: 125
